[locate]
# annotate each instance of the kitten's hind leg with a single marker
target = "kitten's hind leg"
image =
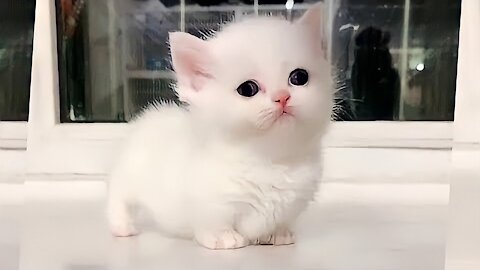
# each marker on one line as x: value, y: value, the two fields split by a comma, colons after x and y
x: 119, y: 218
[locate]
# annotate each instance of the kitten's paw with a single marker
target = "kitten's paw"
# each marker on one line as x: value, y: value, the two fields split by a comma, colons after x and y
x: 123, y: 229
x: 228, y: 239
x: 280, y: 237
x: 120, y: 221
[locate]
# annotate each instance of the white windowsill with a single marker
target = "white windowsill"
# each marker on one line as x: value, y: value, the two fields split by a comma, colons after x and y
x: 13, y: 135
x: 341, y: 134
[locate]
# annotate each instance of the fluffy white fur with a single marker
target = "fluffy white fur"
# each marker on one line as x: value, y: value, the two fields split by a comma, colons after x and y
x: 227, y: 170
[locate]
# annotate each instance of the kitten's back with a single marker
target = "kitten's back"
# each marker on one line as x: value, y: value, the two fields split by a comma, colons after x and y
x: 160, y: 134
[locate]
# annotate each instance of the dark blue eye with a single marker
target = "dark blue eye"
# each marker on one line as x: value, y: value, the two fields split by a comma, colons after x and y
x: 248, y: 89
x: 298, y: 77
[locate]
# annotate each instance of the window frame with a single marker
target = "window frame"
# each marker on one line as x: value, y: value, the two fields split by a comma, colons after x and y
x: 87, y: 145
x: 462, y: 245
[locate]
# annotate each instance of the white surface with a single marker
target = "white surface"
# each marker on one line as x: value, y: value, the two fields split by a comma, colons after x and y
x: 378, y: 217
x: 390, y: 134
x: 44, y: 87
x: 351, y: 226
x: 13, y: 135
x: 467, y: 110
x: 90, y: 147
x: 9, y: 237
x: 10, y: 217
x: 13, y: 164
x: 463, y: 246
x: 95, y: 157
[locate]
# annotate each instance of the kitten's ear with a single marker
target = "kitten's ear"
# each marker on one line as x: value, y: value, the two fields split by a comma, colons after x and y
x: 312, y: 20
x: 191, y: 59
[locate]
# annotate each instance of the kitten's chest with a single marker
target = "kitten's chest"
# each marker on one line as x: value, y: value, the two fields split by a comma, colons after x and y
x: 268, y: 197
x: 265, y: 178
x: 272, y: 187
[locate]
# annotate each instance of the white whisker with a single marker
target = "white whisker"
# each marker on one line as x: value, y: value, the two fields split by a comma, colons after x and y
x: 264, y: 119
x: 339, y: 109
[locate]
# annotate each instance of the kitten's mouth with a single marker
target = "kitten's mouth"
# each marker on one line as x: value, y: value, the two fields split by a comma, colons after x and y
x: 285, y: 113
x: 276, y: 117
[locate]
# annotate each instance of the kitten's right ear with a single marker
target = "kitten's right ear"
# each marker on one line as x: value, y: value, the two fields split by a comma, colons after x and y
x: 191, y: 59
x: 312, y: 20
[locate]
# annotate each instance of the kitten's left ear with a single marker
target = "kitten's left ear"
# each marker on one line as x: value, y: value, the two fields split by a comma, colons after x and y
x: 312, y: 20
x: 191, y: 59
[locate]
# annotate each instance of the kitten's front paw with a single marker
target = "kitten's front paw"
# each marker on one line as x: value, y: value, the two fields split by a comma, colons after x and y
x: 280, y: 237
x: 123, y: 229
x: 228, y: 239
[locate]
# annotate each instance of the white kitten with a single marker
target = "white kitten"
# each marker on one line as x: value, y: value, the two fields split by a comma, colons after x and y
x: 239, y: 164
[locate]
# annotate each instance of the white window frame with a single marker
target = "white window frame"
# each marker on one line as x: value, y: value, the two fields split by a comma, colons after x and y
x: 55, y: 147
x: 463, y: 246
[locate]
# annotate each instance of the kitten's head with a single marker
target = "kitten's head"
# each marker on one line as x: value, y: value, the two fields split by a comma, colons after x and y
x: 261, y: 76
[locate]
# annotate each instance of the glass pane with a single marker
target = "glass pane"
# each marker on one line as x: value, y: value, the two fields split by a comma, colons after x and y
x: 393, y: 59
x: 113, y: 57
x: 16, y: 41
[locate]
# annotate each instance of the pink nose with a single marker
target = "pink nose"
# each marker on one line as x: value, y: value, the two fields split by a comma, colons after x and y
x: 281, y: 97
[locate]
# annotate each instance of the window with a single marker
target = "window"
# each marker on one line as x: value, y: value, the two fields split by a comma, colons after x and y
x: 394, y: 60
x: 16, y: 37
x: 81, y: 96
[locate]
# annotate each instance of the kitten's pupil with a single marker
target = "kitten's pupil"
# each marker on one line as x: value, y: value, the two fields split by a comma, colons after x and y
x: 248, y: 89
x: 298, y: 77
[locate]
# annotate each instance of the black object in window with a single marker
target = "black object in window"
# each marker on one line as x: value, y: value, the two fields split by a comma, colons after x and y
x: 375, y: 82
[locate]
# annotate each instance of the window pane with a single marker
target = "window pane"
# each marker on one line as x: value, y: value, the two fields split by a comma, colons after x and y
x: 393, y: 59
x: 113, y: 57
x: 16, y: 40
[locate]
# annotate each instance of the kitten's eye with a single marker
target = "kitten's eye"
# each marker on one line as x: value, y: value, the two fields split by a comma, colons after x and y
x: 248, y: 89
x: 298, y: 77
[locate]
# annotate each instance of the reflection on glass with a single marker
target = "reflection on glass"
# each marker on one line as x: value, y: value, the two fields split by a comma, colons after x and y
x: 375, y: 82
x: 393, y: 60
x: 16, y: 40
